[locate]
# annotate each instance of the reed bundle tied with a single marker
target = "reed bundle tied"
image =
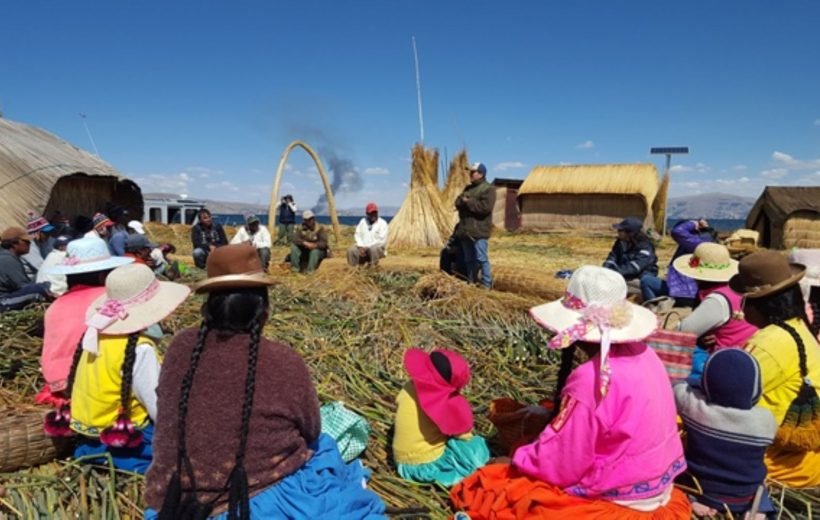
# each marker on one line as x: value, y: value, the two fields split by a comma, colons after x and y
x: 458, y: 177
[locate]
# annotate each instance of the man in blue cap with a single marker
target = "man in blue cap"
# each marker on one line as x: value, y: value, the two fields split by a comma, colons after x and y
x: 632, y: 254
x: 475, y: 224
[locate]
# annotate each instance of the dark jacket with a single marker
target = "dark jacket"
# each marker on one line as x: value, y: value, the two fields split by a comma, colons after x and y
x: 303, y: 234
x: 475, y: 214
x: 633, y: 259
x: 12, y: 274
x: 203, y: 238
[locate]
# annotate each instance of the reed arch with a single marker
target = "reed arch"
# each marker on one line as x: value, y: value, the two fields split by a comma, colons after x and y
x: 331, y: 204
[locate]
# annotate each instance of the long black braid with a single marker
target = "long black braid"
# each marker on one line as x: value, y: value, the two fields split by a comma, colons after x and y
x: 128, y: 372
x: 75, y: 361
x: 567, y: 358
x: 801, y: 347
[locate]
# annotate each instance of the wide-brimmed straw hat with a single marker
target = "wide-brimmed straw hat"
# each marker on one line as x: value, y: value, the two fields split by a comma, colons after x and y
x: 709, y: 263
x: 811, y: 259
x: 765, y: 272
x: 88, y: 255
x: 439, y: 397
x: 133, y: 301
x: 233, y: 267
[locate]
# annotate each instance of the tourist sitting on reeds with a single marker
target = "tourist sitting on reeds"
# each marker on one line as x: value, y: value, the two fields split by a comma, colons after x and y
x: 433, y: 439
x: 115, y: 370
x: 726, y: 435
x: 310, y: 245
x: 632, y: 254
x: 206, y: 236
x: 17, y: 288
x: 718, y: 320
x: 238, y: 432
x: 613, y: 448
x: 370, y: 238
x: 688, y: 234
x: 789, y: 358
x: 86, y: 266
x: 57, y: 282
x: 810, y: 285
x: 475, y: 217
x: 256, y: 235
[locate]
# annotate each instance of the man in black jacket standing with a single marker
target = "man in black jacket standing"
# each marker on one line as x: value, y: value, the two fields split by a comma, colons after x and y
x: 206, y: 235
x: 475, y: 224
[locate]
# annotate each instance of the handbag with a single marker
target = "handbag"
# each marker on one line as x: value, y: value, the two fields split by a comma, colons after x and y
x: 349, y: 429
x: 800, y: 429
x: 516, y: 423
x: 675, y: 350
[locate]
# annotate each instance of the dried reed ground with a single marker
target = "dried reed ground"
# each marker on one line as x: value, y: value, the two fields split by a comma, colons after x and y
x: 351, y: 327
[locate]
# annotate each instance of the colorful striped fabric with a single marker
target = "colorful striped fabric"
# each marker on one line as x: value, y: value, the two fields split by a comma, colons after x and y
x: 675, y: 350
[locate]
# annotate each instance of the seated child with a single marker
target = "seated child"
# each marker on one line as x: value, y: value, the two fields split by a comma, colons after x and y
x: 433, y: 440
x: 727, y: 435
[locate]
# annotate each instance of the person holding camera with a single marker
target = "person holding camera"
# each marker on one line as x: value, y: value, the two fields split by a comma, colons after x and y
x: 287, y: 219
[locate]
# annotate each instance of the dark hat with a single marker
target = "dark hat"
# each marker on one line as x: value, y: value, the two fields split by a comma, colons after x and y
x: 136, y: 242
x: 731, y: 378
x: 233, y: 267
x: 765, y: 272
x: 251, y: 219
x: 115, y: 211
x: 629, y: 224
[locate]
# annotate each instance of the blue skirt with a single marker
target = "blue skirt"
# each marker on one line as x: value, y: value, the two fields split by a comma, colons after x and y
x: 128, y: 459
x: 461, y: 459
x: 325, y: 487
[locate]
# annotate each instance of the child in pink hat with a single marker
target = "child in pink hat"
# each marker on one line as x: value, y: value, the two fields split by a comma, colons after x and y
x: 433, y: 439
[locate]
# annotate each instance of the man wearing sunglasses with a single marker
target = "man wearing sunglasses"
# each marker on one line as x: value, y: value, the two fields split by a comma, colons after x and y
x: 17, y: 289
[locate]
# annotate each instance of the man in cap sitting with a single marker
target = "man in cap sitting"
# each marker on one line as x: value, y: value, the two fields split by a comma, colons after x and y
x: 475, y: 224
x: 632, y: 254
x: 309, y: 244
x: 58, y: 282
x: 258, y: 236
x: 371, y: 239
x: 17, y: 289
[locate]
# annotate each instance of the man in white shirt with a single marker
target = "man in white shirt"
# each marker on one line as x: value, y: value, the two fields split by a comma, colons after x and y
x: 258, y: 236
x: 371, y: 239
x: 59, y: 285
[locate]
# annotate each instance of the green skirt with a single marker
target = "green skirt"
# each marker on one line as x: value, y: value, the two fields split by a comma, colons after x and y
x: 460, y: 460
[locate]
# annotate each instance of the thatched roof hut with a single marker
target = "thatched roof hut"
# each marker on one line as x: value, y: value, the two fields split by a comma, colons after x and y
x: 41, y: 172
x: 787, y: 217
x: 588, y: 197
x: 506, y: 214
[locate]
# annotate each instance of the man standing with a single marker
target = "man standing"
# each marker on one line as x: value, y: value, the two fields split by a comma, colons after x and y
x: 16, y: 288
x: 287, y: 219
x: 371, y: 239
x: 258, y: 236
x: 206, y: 235
x: 309, y: 240
x: 475, y: 224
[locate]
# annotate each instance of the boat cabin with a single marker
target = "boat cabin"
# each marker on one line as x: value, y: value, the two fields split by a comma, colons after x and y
x: 172, y: 211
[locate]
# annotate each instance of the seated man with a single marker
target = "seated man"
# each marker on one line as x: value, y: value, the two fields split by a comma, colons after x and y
x: 16, y: 288
x: 258, y: 236
x: 633, y: 254
x: 58, y: 282
x: 309, y: 244
x: 371, y: 239
x: 139, y: 248
x: 206, y: 235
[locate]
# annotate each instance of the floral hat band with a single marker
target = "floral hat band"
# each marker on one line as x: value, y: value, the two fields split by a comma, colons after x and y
x: 708, y: 263
x: 612, y: 316
x: 113, y: 310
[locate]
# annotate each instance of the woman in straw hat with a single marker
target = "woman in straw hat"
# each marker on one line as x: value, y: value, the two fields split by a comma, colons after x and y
x: 115, y: 370
x: 85, y: 267
x: 600, y: 457
x: 810, y: 284
x: 228, y: 447
x: 789, y: 359
x: 718, y: 320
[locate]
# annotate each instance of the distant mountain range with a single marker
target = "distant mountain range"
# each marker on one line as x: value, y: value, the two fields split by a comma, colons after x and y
x: 710, y: 205
x: 224, y: 207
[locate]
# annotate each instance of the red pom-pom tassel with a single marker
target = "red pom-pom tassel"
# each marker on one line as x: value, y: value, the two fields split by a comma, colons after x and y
x: 122, y: 435
x: 58, y: 423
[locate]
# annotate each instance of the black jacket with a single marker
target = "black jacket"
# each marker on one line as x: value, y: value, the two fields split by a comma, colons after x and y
x: 12, y: 273
x: 203, y: 238
x: 633, y: 259
x: 475, y: 211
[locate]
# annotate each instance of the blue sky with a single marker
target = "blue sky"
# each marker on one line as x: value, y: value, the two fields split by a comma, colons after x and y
x: 202, y: 97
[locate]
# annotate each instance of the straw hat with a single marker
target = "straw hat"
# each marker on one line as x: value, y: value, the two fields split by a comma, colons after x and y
x: 87, y: 255
x: 765, y: 272
x: 134, y: 300
x: 811, y: 259
x: 233, y: 267
x: 709, y: 263
x: 439, y: 397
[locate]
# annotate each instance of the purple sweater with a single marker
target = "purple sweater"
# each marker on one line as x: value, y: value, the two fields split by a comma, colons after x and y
x: 284, y: 418
x: 687, y: 237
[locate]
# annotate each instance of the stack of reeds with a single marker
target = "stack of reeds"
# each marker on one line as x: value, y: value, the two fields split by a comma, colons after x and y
x: 659, y: 204
x: 421, y: 221
x: 458, y: 177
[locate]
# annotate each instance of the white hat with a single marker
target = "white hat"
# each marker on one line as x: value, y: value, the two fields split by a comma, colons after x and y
x: 595, y: 309
x: 137, y: 226
x: 307, y: 214
x: 709, y: 263
x: 87, y: 255
x: 134, y: 300
x: 811, y: 259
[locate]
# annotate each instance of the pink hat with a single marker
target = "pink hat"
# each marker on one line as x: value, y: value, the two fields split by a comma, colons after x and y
x: 439, y: 397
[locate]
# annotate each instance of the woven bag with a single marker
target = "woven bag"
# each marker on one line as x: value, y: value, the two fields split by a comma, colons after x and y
x: 675, y: 349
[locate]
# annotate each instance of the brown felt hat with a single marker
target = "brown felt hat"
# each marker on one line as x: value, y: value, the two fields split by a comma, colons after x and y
x: 15, y: 233
x: 233, y: 267
x: 765, y: 272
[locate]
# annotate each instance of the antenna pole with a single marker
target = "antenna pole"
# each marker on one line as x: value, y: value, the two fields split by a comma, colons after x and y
x: 418, y: 88
x: 90, y: 138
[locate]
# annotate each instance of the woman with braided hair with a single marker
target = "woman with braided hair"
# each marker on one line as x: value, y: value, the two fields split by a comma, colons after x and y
x: 789, y: 358
x: 239, y: 429
x: 115, y: 370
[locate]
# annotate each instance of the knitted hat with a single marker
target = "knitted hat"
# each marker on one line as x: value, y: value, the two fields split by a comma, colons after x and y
x: 439, y: 396
x: 87, y: 255
x: 731, y: 378
x: 233, y: 267
x: 99, y: 220
x: 709, y: 263
x: 765, y: 272
x: 37, y: 223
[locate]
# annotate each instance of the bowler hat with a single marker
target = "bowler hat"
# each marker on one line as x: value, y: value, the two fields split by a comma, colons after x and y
x: 765, y: 272
x: 234, y: 266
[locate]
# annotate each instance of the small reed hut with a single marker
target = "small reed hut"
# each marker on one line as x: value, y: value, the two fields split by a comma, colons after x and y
x: 588, y: 197
x: 40, y: 172
x: 787, y: 217
x: 506, y: 214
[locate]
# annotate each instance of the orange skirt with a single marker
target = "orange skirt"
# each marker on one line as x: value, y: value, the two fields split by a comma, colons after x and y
x: 499, y: 492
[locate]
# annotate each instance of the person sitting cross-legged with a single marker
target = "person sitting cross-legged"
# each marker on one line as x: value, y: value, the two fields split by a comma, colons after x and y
x: 309, y: 244
x: 17, y: 289
x: 206, y: 236
x: 256, y: 235
x: 371, y: 239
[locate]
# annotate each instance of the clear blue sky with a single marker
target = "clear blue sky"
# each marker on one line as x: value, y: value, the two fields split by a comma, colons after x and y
x: 201, y: 97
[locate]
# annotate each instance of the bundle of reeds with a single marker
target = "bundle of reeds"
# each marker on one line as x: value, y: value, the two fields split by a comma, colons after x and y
x: 458, y: 177
x: 659, y: 204
x: 421, y: 221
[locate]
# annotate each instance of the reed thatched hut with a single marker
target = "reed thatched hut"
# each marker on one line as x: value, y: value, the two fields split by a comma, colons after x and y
x: 41, y: 172
x: 506, y: 214
x: 787, y: 217
x: 589, y: 197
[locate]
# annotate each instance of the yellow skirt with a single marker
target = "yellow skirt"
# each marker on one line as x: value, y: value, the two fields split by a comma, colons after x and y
x: 797, y: 469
